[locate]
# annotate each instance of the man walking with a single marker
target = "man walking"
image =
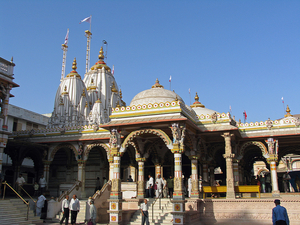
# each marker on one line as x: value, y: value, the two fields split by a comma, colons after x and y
x: 279, y: 214
x: 74, y: 207
x: 170, y: 183
x: 65, y: 210
x: 144, y: 210
x: 43, y: 184
x: 151, y: 183
x: 93, y: 212
x: 159, y: 185
x: 20, y: 181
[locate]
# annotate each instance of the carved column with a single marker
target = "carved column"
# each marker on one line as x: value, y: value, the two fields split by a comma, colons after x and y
x: 4, y: 110
x: 236, y: 173
x: 272, y: 160
x: 115, y: 201
x: 157, y: 170
x: 205, y: 172
x: 1, y: 159
x: 141, y: 178
x: 46, y: 170
x: 212, y: 175
x: 195, y: 181
x: 111, y: 167
x: 229, y: 167
x: 81, y: 176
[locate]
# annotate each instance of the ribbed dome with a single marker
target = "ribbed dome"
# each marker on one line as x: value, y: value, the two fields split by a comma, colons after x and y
x: 156, y: 94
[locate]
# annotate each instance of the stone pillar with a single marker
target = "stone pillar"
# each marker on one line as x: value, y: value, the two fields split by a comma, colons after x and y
x: 195, y: 181
x: 4, y: 110
x: 236, y: 174
x: 141, y: 178
x: 205, y: 172
x: 1, y: 159
x: 46, y: 170
x: 111, y: 168
x: 157, y: 170
x: 115, y: 201
x: 212, y: 175
x: 81, y: 176
x: 272, y: 160
x: 229, y: 167
x: 178, y: 196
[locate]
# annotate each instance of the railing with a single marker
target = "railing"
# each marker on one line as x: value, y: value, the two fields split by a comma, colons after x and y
x: 25, y: 202
x: 77, y: 184
x: 35, y: 201
x: 99, y: 192
x: 159, y: 198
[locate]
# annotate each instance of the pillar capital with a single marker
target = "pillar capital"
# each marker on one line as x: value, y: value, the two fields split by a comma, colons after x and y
x: 228, y: 156
x: 46, y: 162
x: 81, y: 162
x: 272, y: 158
x: 141, y: 159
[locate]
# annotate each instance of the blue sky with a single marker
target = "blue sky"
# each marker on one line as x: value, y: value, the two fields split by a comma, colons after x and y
x: 243, y: 54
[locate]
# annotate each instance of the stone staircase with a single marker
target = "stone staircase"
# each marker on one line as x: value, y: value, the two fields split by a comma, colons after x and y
x: 14, y: 211
x: 161, y: 213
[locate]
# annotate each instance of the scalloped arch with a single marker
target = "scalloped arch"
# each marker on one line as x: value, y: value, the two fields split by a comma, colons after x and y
x: 157, y: 132
x: 91, y: 146
x: 259, y: 144
x: 70, y: 146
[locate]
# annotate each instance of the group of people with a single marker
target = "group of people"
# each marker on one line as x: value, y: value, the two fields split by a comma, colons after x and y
x: 38, y: 188
x: 161, y: 187
x: 73, y: 207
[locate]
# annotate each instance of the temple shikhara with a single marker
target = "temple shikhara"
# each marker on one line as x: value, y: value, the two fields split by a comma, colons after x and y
x: 93, y: 133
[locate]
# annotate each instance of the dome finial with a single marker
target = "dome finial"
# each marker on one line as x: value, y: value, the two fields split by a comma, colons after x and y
x: 197, y: 103
x: 288, y: 111
x: 120, y: 92
x: 157, y: 84
x: 74, y: 66
x: 101, y: 56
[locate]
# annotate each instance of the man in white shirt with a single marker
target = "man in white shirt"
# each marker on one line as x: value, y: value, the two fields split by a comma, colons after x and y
x: 74, y: 207
x: 144, y: 211
x: 40, y: 204
x: 159, y: 185
x: 43, y: 184
x: 151, y: 183
x: 65, y: 210
x: 20, y: 181
x: 93, y: 212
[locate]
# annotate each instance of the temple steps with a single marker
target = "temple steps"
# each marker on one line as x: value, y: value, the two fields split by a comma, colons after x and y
x: 161, y: 213
x: 14, y: 211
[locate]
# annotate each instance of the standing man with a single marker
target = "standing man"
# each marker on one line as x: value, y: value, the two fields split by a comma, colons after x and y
x: 159, y: 185
x: 43, y: 184
x: 74, y: 207
x: 165, y: 188
x: 98, y: 186
x: 144, y: 210
x: 93, y: 212
x: 151, y: 183
x: 170, y: 183
x: 65, y: 210
x: 20, y: 181
x: 279, y: 214
x: 40, y: 204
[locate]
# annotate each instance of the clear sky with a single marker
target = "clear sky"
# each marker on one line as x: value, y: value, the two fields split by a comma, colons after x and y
x: 243, y: 54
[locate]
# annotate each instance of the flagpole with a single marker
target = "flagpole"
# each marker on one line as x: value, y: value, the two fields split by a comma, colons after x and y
x: 91, y: 24
x: 190, y: 97
x: 65, y: 49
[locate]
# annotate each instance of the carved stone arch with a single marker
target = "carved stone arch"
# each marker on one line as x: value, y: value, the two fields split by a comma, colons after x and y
x: 259, y: 144
x: 156, y: 132
x: 70, y: 146
x: 136, y: 148
x: 91, y: 146
x: 189, y: 141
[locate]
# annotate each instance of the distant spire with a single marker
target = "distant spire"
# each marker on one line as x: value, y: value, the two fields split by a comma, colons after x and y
x: 12, y: 59
x: 74, y: 65
x: 101, y: 56
x: 157, y: 84
x: 197, y: 103
x: 288, y: 112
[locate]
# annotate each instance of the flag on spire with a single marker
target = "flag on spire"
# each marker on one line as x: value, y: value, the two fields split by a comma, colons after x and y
x: 88, y: 19
x: 113, y: 70
x: 66, y: 38
x: 170, y: 78
x: 189, y: 91
x: 282, y: 100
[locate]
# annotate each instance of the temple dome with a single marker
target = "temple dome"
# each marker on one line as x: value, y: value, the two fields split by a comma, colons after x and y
x: 156, y: 94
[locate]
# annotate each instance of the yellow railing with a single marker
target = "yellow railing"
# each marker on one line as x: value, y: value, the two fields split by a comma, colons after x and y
x: 99, y: 192
x: 25, y: 202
